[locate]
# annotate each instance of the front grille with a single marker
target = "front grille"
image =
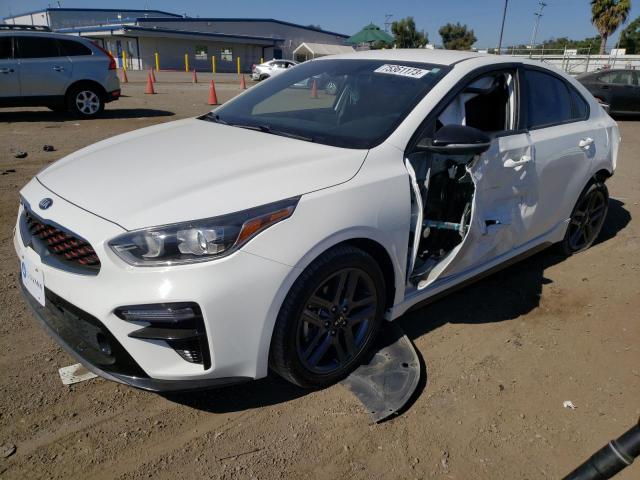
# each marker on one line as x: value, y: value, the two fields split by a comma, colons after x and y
x: 68, y: 249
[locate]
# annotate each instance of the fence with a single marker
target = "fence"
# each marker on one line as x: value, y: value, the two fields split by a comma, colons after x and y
x: 576, y: 61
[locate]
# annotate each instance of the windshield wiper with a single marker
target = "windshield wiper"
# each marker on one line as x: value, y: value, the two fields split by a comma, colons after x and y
x: 214, y: 117
x: 268, y: 129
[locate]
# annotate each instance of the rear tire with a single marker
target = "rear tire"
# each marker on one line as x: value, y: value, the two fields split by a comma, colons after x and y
x: 586, y: 219
x: 85, y: 101
x: 329, y: 318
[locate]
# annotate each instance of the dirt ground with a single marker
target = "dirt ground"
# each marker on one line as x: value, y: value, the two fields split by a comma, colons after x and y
x: 501, y: 357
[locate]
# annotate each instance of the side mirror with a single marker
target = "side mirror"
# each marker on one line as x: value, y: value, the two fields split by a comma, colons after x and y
x: 456, y: 140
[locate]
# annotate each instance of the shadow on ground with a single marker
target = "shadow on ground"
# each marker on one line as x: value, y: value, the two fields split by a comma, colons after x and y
x: 50, y: 116
x: 502, y: 296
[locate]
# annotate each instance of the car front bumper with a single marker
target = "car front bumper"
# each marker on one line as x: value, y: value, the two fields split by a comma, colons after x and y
x: 239, y: 297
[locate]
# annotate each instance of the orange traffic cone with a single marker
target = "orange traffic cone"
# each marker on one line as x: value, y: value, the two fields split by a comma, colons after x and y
x: 243, y: 85
x: 149, y: 87
x: 314, y: 89
x: 194, y: 77
x: 213, y: 98
x: 153, y: 75
x: 124, y: 76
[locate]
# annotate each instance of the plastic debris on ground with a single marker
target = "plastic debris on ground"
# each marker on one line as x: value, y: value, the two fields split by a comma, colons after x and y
x: 74, y: 374
x: 388, y: 381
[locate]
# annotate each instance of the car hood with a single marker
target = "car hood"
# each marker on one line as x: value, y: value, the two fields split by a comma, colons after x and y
x: 192, y: 169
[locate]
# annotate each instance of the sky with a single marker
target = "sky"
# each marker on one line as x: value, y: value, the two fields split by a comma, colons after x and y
x: 570, y: 18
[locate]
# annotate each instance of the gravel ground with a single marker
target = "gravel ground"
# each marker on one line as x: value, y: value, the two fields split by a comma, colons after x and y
x: 501, y: 357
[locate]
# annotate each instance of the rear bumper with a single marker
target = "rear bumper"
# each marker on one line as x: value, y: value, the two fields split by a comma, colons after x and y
x: 76, y: 332
x: 112, y: 96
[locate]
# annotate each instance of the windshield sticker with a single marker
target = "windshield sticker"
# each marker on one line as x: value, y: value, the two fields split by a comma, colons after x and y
x: 401, y: 70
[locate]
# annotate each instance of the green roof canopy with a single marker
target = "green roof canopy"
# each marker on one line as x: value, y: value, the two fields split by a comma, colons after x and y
x: 370, y: 33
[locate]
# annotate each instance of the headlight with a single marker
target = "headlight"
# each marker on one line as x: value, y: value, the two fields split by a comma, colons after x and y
x: 198, y: 240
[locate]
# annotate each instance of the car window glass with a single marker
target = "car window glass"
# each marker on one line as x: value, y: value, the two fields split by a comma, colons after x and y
x: 606, y: 77
x: 346, y: 103
x: 73, y: 49
x: 37, y: 47
x: 623, y: 78
x: 580, y: 106
x: 487, y: 103
x: 548, y: 100
x: 5, y: 48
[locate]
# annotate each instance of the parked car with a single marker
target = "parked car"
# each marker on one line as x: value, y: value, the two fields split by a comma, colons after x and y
x: 64, y: 73
x: 296, y: 226
x: 329, y: 84
x: 270, y: 68
x: 616, y: 88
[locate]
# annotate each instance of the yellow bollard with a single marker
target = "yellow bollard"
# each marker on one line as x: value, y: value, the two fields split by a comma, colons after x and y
x: 186, y: 62
x: 157, y: 62
x: 238, y: 62
x: 124, y: 60
x: 261, y: 60
x: 213, y: 63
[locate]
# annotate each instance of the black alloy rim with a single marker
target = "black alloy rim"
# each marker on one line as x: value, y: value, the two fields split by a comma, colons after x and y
x: 587, y: 219
x: 336, y: 321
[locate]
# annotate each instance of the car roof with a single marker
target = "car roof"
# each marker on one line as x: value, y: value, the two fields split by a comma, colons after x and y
x: 424, y: 55
x: 37, y: 33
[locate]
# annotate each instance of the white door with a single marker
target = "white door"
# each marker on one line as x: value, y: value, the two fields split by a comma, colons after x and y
x: 564, y: 142
x: 502, y: 179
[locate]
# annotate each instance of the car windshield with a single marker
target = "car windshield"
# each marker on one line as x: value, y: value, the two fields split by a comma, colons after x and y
x: 345, y: 103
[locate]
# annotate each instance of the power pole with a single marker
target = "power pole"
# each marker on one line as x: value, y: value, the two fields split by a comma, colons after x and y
x: 504, y: 16
x: 537, y: 14
x: 387, y: 21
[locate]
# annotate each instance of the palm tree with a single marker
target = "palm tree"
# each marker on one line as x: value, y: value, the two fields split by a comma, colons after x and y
x: 607, y: 16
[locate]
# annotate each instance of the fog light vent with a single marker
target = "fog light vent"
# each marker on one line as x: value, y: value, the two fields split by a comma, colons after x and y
x: 179, y: 324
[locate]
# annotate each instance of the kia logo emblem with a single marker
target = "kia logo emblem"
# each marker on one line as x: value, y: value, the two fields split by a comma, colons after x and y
x: 45, y: 203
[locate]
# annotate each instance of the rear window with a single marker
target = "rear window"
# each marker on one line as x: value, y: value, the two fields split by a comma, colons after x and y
x: 74, y: 49
x: 548, y: 100
x: 580, y: 105
x: 36, y: 47
x: 5, y: 48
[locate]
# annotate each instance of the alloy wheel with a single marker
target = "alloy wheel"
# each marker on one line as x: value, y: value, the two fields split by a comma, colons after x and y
x: 87, y: 102
x: 587, y: 219
x: 336, y: 321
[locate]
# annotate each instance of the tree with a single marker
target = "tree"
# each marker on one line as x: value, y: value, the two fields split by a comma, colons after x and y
x: 406, y: 35
x: 456, y: 36
x: 630, y: 37
x: 607, y: 16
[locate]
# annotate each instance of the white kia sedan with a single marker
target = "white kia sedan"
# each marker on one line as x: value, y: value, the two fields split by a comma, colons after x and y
x: 280, y: 230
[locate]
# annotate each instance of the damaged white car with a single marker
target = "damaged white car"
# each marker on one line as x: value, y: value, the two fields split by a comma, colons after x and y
x: 280, y: 230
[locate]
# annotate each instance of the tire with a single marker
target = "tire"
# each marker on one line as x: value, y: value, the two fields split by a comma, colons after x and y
x: 85, y: 101
x: 317, y: 339
x: 587, y: 219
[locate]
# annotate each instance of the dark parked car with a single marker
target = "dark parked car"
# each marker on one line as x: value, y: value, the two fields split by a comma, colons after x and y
x: 617, y: 88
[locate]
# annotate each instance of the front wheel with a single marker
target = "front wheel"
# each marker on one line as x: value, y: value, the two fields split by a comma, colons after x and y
x: 329, y: 319
x: 85, y: 102
x: 586, y: 219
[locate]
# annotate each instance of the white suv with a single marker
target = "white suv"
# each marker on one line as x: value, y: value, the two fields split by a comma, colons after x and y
x: 270, y: 69
x: 40, y: 68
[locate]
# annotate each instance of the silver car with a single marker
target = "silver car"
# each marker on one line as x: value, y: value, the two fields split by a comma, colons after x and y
x: 64, y: 73
x: 271, y: 68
